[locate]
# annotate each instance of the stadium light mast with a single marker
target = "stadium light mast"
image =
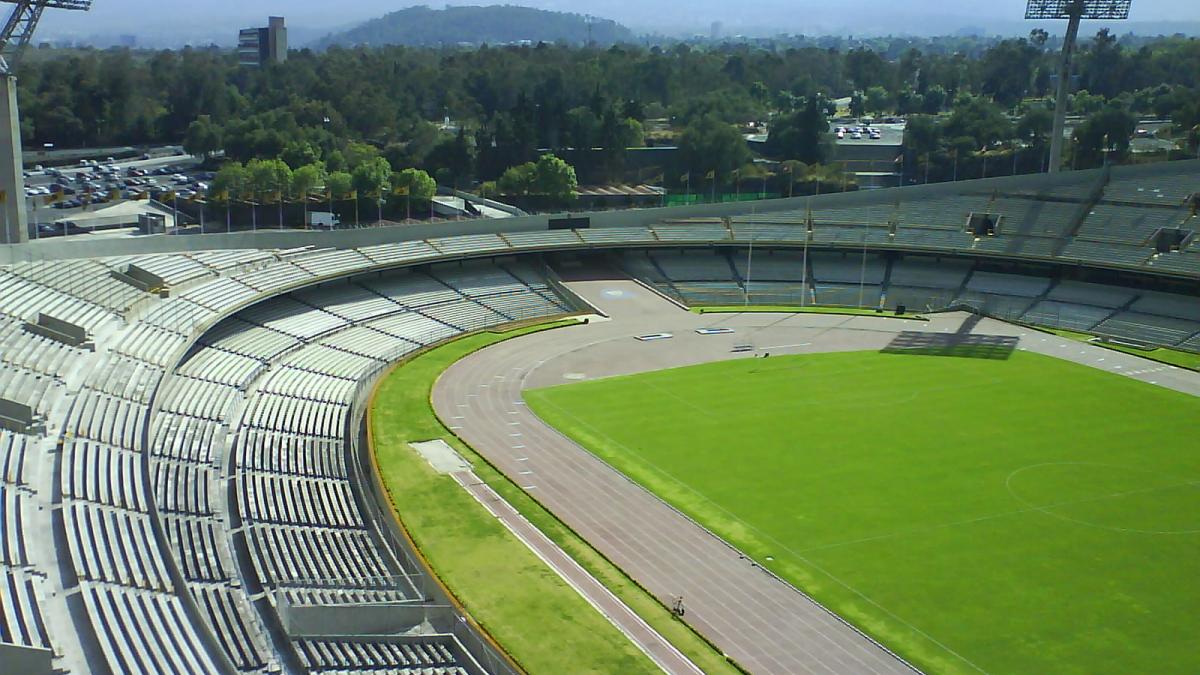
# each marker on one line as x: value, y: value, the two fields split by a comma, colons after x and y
x: 14, y: 37
x: 1073, y: 11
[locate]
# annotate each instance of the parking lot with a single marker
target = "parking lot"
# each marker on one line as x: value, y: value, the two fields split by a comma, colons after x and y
x: 888, y: 133
x: 95, y: 183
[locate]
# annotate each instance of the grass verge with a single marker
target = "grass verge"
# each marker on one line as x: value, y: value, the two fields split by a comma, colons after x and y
x: 1171, y: 357
x: 796, y: 309
x: 507, y: 589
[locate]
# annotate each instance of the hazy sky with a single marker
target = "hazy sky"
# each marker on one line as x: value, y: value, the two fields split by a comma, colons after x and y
x: 149, y: 18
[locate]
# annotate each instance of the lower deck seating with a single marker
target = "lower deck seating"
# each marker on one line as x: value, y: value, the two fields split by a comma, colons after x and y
x: 1066, y: 315
x: 424, y: 656
x: 1148, y: 328
x: 12, y: 528
x: 21, y: 620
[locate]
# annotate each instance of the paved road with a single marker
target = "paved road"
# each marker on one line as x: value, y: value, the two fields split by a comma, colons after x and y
x: 762, y: 622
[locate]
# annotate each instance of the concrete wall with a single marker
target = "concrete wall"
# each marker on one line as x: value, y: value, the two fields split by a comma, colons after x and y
x: 25, y: 660
x: 359, y: 620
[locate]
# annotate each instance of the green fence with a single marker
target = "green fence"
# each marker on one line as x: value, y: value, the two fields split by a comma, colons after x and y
x: 722, y: 197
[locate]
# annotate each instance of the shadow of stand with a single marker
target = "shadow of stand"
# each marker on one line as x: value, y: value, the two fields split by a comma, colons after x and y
x: 961, y: 343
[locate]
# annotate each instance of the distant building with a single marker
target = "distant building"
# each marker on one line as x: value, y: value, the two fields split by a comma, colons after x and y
x: 129, y: 41
x: 258, y: 46
x: 714, y: 31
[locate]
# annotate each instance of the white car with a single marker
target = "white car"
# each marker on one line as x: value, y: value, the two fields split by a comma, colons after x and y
x: 875, y: 136
x: 856, y: 135
x: 841, y: 134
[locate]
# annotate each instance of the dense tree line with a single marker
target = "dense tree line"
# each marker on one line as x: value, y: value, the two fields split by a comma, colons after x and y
x: 343, y: 107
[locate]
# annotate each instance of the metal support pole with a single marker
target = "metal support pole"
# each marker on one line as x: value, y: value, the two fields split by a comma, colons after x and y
x: 12, y: 181
x: 1064, y: 77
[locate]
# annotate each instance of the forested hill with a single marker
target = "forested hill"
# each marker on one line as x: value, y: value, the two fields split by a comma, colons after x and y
x: 494, y: 24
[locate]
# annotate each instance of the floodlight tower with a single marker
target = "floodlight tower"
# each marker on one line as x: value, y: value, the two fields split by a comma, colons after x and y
x: 1073, y: 11
x: 14, y: 36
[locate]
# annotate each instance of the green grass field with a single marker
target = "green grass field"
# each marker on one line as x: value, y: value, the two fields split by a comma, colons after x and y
x: 1026, y: 515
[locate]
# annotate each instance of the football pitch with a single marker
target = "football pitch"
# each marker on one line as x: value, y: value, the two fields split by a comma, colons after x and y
x: 1026, y: 515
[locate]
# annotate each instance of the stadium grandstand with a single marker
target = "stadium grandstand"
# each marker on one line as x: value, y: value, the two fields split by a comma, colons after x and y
x: 185, y: 484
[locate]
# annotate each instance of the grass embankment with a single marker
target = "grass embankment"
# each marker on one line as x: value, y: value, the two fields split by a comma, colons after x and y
x: 1028, y: 515
x: 796, y: 309
x: 1171, y: 357
x: 540, y: 620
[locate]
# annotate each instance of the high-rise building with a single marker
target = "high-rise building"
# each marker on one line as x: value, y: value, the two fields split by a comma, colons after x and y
x: 258, y: 46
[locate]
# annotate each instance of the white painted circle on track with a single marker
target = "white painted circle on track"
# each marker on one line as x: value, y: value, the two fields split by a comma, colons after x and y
x: 574, y: 376
x: 616, y: 293
x: 1124, y: 482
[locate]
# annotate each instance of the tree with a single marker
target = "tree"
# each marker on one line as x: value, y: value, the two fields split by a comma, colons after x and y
x: 802, y: 135
x: 339, y: 184
x: 371, y: 177
x: 1036, y: 125
x: 269, y: 179
x: 709, y: 146
x: 977, y: 118
x: 1084, y: 102
x: 300, y: 153
x: 418, y: 184
x: 359, y: 153
x: 550, y: 178
x: 934, y: 100
x: 922, y: 135
x: 554, y: 178
x: 231, y: 181
x: 878, y: 100
x: 456, y: 155
x: 517, y: 180
x: 203, y: 137
x: 583, y: 128
x: 1103, y: 65
x: 857, y: 106
x: 306, y: 179
x: 1104, y: 132
x: 793, y: 171
x: 1007, y: 71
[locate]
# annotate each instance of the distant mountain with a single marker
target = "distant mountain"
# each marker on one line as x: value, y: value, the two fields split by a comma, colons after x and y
x: 494, y: 24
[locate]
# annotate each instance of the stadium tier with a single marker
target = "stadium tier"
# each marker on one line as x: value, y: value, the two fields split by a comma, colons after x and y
x: 207, y: 482
x: 182, y: 488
